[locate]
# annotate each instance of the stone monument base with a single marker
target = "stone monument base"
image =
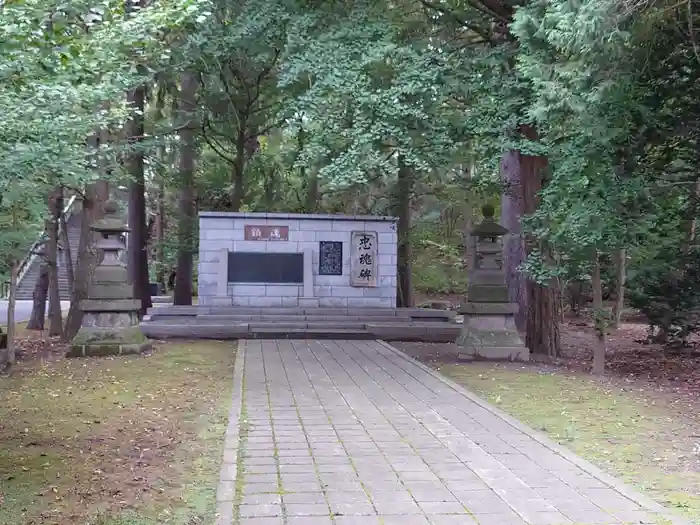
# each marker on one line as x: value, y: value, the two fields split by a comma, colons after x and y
x: 489, y: 332
x: 108, y: 333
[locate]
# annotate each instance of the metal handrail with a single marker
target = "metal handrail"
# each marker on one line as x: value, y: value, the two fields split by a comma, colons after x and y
x: 28, y: 260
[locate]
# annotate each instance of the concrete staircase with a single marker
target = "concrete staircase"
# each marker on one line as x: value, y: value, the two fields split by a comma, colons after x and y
x: 215, y: 322
x: 30, y: 271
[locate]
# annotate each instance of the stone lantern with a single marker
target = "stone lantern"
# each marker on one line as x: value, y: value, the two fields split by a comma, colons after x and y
x: 489, y: 329
x: 110, y: 313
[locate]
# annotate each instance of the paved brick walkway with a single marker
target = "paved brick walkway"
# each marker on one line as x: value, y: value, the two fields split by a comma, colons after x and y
x: 355, y: 433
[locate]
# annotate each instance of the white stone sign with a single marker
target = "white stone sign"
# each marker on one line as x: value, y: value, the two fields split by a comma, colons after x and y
x: 363, y: 259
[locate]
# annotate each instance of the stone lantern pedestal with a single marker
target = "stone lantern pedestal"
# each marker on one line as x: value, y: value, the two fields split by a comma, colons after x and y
x: 110, y: 313
x: 489, y: 329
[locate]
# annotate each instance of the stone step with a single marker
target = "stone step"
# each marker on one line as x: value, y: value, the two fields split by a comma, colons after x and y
x: 310, y: 333
x: 300, y: 325
x: 295, y: 318
x: 424, y: 314
x: 397, y: 331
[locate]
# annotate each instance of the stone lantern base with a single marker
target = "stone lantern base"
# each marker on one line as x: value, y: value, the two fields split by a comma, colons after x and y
x: 104, y: 332
x: 489, y: 332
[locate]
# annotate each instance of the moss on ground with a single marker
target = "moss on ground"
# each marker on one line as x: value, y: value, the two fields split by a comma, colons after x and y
x: 115, y: 441
x: 630, y: 434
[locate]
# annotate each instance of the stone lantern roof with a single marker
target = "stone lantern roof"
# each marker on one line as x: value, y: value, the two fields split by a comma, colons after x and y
x: 488, y: 228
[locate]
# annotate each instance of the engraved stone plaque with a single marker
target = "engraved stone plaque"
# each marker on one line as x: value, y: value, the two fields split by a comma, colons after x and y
x: 330, y: 258
x: 363, y: 262
x: 265, y: 267
x: 266, y: 233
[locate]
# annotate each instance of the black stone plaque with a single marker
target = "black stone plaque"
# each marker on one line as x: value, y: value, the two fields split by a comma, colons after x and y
x: 330, y: 258
x: 261, y: 267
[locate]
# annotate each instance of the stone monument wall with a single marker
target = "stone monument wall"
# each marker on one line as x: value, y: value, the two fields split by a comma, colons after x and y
x: 296, y: 260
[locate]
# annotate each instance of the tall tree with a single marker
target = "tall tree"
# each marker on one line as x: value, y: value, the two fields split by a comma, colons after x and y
x: 188, y: 153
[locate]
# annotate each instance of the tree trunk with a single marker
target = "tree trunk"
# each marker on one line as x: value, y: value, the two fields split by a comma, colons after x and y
x: 238, y: 172
x: 67, y: 252
x: 164, y: 158
x: 87, y: 257
x: 160, y: 237
x: 55, y: 314
x: 188, y: 152
x: 11, y: 304
x: 39, y: 297
x: 522, y: 178
x: 138, y: 236
x: 270, y: 185
x: 312, y: 192
x: 620, y: 266
x: 598, y: 319
x: 404, y: 189
x: 512, y: 209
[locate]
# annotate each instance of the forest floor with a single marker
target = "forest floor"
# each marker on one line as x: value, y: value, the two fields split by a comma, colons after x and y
x: 641, y: 422
x: 115, y: 441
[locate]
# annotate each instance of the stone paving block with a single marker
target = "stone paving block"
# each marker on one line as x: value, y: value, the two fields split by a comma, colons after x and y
x: 262, y: 499
x: 261, y: 521
x: 447, y: 519
x: 270, y: 478
x: 260, y: 488
x: 298, y: 477
x: 228, y: 472
x: 404, y: 520
x: 357, y: 520
x: 224, y: 513
x: 483, y: 501
x: 260, y: 510
x: 354, y: 508
x: 392, y: 507
x: 442, y: 507
x: 547, y: 518
x: 587, y: 516
x: 306, y: 486
x: 226, y: 491
x: 309, y: 520
x: 499, y: 518
x: 307, y: 509
x: 303, y: 497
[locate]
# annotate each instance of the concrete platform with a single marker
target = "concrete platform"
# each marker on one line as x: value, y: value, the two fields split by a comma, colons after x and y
x: 341, y: 432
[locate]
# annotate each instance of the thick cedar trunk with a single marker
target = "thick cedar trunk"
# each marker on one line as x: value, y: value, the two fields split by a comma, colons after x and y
x: 188, y: 152
x: 138, y: 236
x: 620, y: 266
x: 598, y: 319
x: 164, y: 160
x: 87, y: 257
x: 404, y: 188
x: 160, y: 237
x: 55, y: 314
x: 238, y: 170
x: 512, y: 208
x: 522, y: 177
x: 39, y: 297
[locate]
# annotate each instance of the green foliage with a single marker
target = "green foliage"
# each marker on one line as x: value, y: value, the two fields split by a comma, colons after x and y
x: 64, y: 68
x: 667, y: 292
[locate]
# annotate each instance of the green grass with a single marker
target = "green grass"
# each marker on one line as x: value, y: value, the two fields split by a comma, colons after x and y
x: 632, y: 435
x: 115, y: 441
